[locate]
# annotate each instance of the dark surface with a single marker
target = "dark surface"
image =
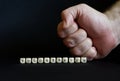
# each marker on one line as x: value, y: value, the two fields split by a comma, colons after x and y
x: 92, y: 71
x: 28, y: 29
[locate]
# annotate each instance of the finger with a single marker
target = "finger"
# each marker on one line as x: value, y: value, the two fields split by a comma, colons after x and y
x: 91, y: 53
x: 75, y: 38
x: 66, y: 31
x: 80, y: 49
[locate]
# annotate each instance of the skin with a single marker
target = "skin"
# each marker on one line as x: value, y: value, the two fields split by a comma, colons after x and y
x: 88, y: 32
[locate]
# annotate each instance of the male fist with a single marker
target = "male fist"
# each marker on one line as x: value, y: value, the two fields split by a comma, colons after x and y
x: 87, y: 32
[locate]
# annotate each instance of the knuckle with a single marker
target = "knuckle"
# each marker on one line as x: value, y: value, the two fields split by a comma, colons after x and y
x: 92, y: 53
x: 75, y: 51
x: 83, y: 32
x: 89, y: 41
x: 75, y: 26
x: 85, y: 46
x: 74, y: 29
x: 82, y: 47
x: 83, y: 5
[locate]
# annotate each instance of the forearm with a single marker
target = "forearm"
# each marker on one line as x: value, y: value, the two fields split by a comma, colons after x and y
x: 114, y: 15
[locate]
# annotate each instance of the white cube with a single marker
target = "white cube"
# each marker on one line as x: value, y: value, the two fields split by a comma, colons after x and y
x: 40, y: 60
x: 28, y: 60
x: 65, y: 59
x: 46, y: 60
x: 34, y: 60
x: 71, y: 59
x: 84, y: 59
x: 77, y: 59
x: 22, y: 60
x: 59, y: 60
x: 53, y: 60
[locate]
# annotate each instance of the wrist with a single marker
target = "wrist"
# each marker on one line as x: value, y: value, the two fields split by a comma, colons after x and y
x: 114, y: 24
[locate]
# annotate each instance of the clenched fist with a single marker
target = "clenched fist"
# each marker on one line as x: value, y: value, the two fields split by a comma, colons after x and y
x: 87, y: 32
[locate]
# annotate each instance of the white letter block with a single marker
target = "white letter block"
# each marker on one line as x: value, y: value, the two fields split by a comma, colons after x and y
x: 77, y: 59
x: 28, y: 60
x: 53, y: 60
x: 34, y: 60
x: 59, y: 60
x: 65, y: 59
x: 22, y: 60
x: 83, y: 59
x: 46, y: 60
x: 71, y: 60
x: 40, y: 60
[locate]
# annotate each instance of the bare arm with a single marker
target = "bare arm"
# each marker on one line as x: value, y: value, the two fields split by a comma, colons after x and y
x: 114, y: 15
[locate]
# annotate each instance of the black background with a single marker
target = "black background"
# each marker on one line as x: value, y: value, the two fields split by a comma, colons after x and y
x: 28, y: 29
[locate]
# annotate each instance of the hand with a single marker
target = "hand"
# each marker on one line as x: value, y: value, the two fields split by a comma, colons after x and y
x: 87, y: 32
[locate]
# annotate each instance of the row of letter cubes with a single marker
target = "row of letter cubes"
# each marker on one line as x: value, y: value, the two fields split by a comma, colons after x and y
x: 47, y: 60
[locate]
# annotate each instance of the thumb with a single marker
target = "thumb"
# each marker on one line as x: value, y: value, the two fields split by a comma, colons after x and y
x: 71, y: 14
